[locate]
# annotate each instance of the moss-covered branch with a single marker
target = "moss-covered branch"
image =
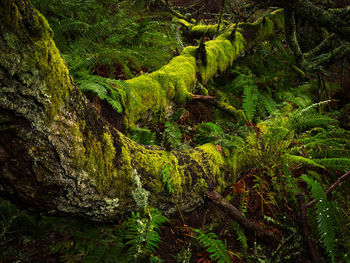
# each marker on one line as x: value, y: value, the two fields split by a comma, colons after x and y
x: 291, y: 35
x: 58, y: 155
x: 176, y: 80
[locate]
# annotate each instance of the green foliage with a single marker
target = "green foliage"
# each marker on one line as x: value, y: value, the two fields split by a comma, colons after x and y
x: 241, y: 237
x: 214, y: 246
x: 143, y: 136
x: 211, y: 132
x: 172, y: 136
x: 141, y: 235
x: 184, y: 256
x: 104, y: 88
x: 135, y: 240
x: 112, y: 39
x: 166, y: 178
x: 250, y: 100
x: 326, y: 226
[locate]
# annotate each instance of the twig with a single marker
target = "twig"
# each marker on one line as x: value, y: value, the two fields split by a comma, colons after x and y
x: 330, y: 189
x: 317, y: 49
x: 233, y: 212
x: 281, y: 246
x: 220, y: 17
x: 305, y: 227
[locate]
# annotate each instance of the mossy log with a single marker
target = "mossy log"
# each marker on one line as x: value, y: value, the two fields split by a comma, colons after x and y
x: 176, y: 80
x: 58, y: 155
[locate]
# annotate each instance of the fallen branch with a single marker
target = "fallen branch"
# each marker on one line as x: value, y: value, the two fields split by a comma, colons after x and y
x: 230, y: 210
x: 220, y: 105
x: 305, y: 228
x: 330, y: 189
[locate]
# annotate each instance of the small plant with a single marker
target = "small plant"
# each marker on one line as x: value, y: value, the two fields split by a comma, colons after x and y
x: 326, y: 226
x: 166, y: 178
x: 214, y: 246
x: 141, y: 235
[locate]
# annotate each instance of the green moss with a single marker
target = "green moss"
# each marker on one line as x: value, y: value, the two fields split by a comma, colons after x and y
x: 145, y: 94
x: 30, y: 26
x: 214, y: 161
x: 207, y: 30
x: 151, y: 93
x: 154, y: 91
x: 54, y: 73
x: 150, y: 162
x: 183, y: 22
x: 219, y: 57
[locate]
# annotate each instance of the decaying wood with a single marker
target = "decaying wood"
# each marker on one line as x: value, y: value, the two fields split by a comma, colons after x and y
x: 230, y: 210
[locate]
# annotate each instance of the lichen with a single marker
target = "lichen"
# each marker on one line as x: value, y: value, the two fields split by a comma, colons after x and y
x: 139, y: 194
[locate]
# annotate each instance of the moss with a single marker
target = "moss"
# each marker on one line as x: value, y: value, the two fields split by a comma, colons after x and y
x: 154, y: 91
x: 151, y: 93
x: 145, y: 94
x: 214, y: 161
x: 30, y: 26
x: 149, y: 164
x: 183, y: 22
x: 207, y: 30
x: 220, y: 55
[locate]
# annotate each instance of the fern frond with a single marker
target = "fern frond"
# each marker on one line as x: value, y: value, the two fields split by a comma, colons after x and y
x: 303, y: 160
x: 311, y: 107
x: 142, y: 234
x: 308, y: 121
x: 250, y: 100
x: 325, y: 221
x: 334, y: 163
x: 214, y: 246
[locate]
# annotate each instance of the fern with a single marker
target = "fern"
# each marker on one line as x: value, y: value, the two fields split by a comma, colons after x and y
x: 208, y: 132
x: 214, y: 246
x: 241, y: 237
x: 142, y: 234
x: 300, y: 159
x: 306, y: 121
x: 250, y: 100
x: 335, y: 163
x: 172, y: 135
x: 104, y: 88
x: 325, y: 221
x: 166, y: 178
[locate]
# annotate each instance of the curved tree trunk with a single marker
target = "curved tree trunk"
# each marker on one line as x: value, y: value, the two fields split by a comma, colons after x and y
x: 57, y: 154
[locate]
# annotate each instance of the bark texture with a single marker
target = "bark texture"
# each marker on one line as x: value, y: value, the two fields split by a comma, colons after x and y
x: 57, y: 153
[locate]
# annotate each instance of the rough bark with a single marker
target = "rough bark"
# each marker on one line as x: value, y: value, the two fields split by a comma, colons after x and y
x: 57, y: 153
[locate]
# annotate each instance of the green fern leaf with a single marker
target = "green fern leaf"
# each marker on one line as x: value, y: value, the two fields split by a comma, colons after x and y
x: 303, y: 160
x: 325, y: 221
x: 250, y: 99
x: 214, y: 246
x: 335, y: 163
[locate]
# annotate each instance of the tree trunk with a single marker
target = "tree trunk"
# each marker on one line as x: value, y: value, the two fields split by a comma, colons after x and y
x: 57, y: 154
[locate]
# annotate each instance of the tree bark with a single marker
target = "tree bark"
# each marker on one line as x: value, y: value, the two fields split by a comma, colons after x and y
x: 58, y: 155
